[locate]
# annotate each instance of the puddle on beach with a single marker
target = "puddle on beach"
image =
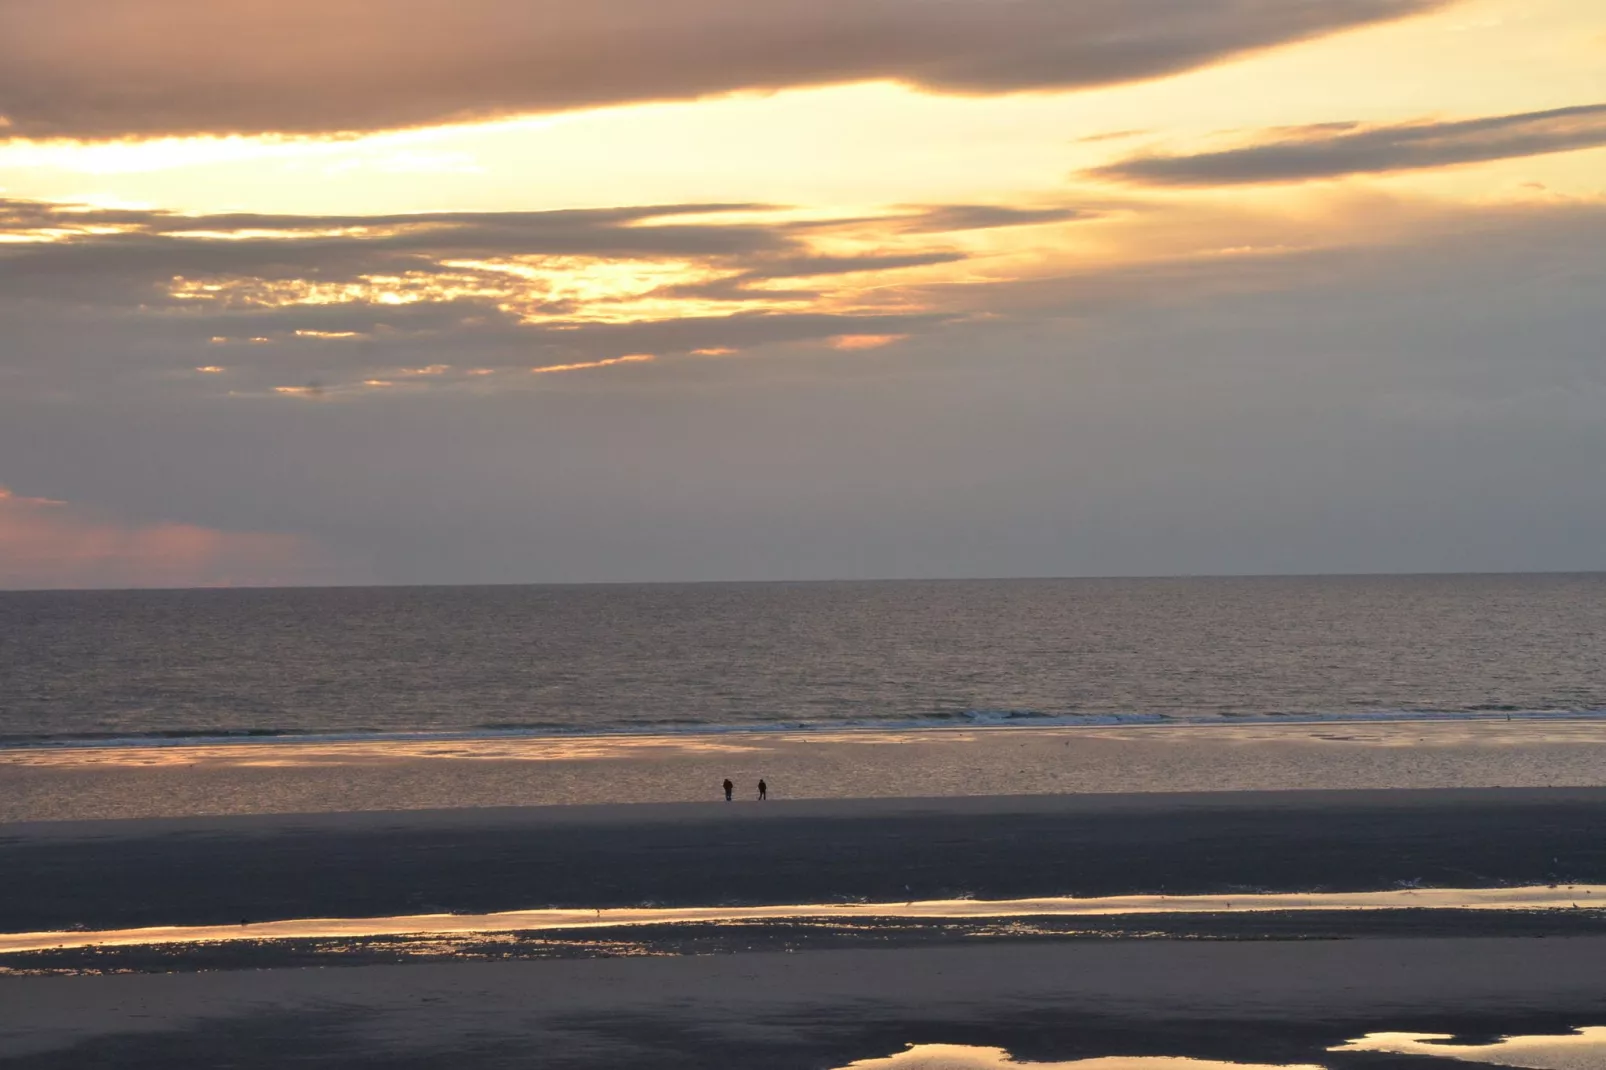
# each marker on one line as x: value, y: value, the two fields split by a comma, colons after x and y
x: 1584, y: 1049
x: 1562, y: 897
x: 963, y: 1057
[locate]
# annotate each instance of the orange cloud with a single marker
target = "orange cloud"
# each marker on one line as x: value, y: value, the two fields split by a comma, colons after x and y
x: 865, y: 341
x: 633, y: 358
x: 149, y: 68
x: 51, y: 544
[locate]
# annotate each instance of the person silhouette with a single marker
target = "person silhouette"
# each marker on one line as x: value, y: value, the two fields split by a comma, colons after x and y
x: 763, y: 790
x: 729, y: 787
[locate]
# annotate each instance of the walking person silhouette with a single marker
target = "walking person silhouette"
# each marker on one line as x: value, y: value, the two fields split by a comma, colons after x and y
x: 729, y: 787
x: 763, y: 790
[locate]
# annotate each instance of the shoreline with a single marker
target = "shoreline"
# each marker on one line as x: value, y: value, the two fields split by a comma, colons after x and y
x: 1000, y: 721
x: 306, y: 777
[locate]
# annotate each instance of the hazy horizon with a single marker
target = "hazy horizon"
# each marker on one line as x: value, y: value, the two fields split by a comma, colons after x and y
x: 737, y: 582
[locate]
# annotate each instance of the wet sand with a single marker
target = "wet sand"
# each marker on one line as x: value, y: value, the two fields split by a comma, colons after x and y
x: 629, y: 922
x: 224, y: 870
x: 1275, y: 988
x: 383, y: 775
x: 1263, y: 1002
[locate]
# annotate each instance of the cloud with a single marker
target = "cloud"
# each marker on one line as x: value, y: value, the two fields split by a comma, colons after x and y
x: 1412, y: 403
x: 47, y: 243
x: 629, y: 358
x: 865, y: 341
x: 957, y: 217
x: 1334, y: 149
x: 51, y: 544
x: 293, y: 246
x: 143, y: 68
x: 320, y: 305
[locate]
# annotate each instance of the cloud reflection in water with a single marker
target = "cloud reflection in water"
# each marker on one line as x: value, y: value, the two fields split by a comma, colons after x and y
x: 1583, y: 1049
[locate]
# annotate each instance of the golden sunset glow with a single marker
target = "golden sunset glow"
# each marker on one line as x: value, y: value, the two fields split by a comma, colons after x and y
x: 766, y: 185
x: 834, y: 180
x: 872, y: 534
x: 631, y: 358
x: 865, y: 341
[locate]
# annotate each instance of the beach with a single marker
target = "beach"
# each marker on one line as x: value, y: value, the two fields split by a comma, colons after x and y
x: 147, y: 779
x: 806, y: 987
x: 802, y: 535
x: 219, y: 870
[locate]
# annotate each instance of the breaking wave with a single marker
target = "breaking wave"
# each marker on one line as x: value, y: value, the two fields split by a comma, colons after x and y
x: 956, y: 720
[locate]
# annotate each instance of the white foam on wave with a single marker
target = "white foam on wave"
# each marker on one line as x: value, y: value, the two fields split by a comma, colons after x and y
x: 966, y: 720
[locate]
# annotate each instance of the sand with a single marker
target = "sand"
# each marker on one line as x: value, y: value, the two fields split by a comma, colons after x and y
x: 650, y: 921
x: 222, y: 870
x: 275, y: 777
x: 1267, y: 993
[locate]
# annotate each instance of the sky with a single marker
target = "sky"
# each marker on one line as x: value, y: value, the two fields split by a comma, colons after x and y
x: 521, y: 291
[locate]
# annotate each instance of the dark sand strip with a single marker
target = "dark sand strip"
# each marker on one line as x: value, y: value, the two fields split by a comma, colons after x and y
x: 222, y: 870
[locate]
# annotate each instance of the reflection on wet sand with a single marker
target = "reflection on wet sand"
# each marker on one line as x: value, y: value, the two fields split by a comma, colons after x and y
x: 963, y: 1057
x: 1583, y: 1049
x: 446, y: 771
x: 1567, y: 897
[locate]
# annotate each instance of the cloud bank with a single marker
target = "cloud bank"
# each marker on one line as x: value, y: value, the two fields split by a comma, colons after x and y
x: 50, y: 544
x: 1412, y: 405
x: 144, y: 68
x: 307, y: 305
x: 1332, y: 150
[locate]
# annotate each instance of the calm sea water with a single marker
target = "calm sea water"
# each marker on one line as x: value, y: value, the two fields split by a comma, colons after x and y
x: 186, y: 664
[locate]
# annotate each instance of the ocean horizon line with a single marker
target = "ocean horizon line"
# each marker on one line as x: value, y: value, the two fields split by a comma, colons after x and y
x: 825, y: 581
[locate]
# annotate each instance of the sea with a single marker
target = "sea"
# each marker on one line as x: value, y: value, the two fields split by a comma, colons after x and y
x: 144, y: 668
